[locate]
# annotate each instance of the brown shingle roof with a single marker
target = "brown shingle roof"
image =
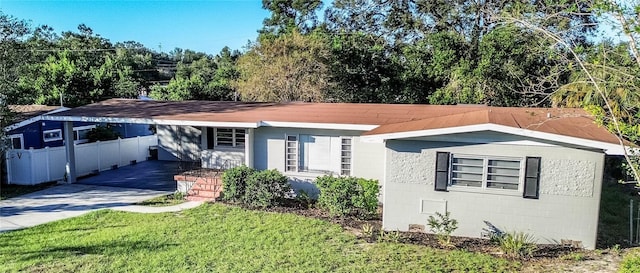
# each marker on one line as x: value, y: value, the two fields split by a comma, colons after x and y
x: 391, y: 118
x: 23, y: 112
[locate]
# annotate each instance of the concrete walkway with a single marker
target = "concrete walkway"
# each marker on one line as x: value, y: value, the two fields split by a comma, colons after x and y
x: 66, y: 201
x: 148, y: 209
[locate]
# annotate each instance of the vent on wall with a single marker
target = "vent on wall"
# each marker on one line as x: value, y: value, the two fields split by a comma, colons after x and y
x: 431, y: 206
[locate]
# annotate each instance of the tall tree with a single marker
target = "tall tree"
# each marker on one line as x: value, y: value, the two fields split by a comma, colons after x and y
x: 81, y: 68
x: 13, y: 53
x: 5, y: 120
x: 607, y: 80
x: 360, y: 69
x: 201, y: 77
x: 290, y: 67
x: 490, y: 65
x: 288, y: 15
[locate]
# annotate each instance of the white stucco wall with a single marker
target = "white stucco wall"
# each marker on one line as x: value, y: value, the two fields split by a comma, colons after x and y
x: 178, y: 143
x: 269, y: 153
x: 223, y: 157
x: 570, y: 185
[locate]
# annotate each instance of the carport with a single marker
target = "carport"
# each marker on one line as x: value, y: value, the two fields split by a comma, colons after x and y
x: 149, y: 175
x: 159, y: 174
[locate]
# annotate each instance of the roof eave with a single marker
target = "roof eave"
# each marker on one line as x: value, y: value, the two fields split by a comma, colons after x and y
x: 154, y: 121
x: 608, y: 148
x: 33, y: 119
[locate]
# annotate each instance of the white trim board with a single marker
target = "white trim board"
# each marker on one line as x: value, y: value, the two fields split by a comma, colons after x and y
x: 280, y: 124
x: 608, y: 148
x: 33, y: 119
x: 154, y: 121
x: 312, y: 125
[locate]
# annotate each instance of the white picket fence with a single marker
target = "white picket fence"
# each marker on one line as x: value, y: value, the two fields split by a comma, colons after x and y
x: 34, y: 166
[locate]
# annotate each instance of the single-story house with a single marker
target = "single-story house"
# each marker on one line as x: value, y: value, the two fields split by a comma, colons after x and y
x: 534, y: 170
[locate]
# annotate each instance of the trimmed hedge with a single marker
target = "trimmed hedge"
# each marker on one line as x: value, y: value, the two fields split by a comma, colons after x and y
x: 233, y: 182
x: 265, y: 189
x: 254, y: 188
x: 348, y: 195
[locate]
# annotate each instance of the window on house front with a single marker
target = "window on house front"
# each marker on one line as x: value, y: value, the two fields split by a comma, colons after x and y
x: 318, y: 154
x: 52, y: 135
x: 80, y: 133
x: 486, y: 172
x: 17, y: 141
x: 291, y: 153
x: 227, y: 137
x: 345, y: 157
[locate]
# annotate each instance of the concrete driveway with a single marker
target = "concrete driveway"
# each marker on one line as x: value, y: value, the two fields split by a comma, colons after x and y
x: 151, y: 175
x: 66, y: 201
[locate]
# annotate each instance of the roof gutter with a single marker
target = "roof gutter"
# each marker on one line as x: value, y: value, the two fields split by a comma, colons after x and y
x: 153, y: 121
x: 608, y: 148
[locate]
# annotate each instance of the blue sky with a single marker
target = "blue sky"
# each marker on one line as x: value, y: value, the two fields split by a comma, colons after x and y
x: 205, y: 26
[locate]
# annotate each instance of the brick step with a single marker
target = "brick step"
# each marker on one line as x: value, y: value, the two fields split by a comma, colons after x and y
x: 207, y: 187
x: 204, y: 193
x: 198, y: 198
x: 192, y: 178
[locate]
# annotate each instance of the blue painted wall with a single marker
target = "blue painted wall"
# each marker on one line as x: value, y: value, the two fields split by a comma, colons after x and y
x: 32, y: 133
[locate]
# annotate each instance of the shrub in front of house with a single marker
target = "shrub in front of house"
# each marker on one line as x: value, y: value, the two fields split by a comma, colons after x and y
x: 348, y: 195
x: 265, y: 188
x: 233, y: 182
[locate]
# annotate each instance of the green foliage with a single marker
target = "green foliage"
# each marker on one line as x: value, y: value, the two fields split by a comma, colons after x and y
x: 165, y: 200
x: 304, y: 199
x: 443, y: 226
x: 517, y: 244
x: 389, y: 237
x: 574, y: 256
x: 366, y: 198
x: 234, y: 182
x: 265, y: 188
x: 613, y: 222
x: 289, y: 15
x: 201, y: 77
x: 290, y: 67
x: 630, y: 263
x: 348, y: 195
x: 102, y: 133
x: 6, y: 116
x: 367, y: 230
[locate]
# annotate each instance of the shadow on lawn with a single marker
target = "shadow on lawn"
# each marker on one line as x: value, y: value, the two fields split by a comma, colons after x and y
x: 60, y: 252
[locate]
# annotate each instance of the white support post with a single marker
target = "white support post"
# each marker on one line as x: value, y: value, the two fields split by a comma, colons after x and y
x: 204, y: 154
x: 32, y: 162
x: 120, y: 152
x: 7, y: 158
x: 48, y: 159
x: 203, y: 138
x: 99, y: 155
x: 248, y: 147
x: 70, y: 150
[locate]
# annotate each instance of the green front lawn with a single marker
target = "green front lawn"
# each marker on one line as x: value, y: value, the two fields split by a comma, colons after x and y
x: 219, y: 238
